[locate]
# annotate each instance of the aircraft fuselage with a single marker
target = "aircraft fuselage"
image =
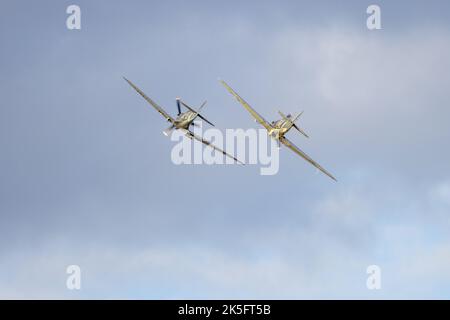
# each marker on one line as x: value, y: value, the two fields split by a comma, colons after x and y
x: 184, y: 120
x: 279, y: 128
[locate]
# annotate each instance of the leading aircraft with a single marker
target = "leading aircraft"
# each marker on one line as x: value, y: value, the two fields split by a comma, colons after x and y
x: 183, y: 121
x: 277, y: 129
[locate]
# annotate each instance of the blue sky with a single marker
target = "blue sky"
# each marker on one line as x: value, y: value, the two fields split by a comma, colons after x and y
x: 86, y: 176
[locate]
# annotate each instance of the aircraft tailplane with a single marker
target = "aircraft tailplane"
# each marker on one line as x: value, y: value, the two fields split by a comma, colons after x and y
x: 198, y: 112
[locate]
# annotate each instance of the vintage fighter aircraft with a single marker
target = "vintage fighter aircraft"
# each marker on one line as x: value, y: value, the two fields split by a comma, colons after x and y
x: 183, y: 120
x: 277, y: 129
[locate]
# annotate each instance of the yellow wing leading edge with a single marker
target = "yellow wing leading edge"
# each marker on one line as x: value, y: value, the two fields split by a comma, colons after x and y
x: 153, y: 103
x: 191, y: 135
x: 254, y: 114
x: 294, y: 148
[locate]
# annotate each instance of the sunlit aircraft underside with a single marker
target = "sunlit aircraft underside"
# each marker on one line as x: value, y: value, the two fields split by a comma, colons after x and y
x: 183, y: 121
x: 277, y: 129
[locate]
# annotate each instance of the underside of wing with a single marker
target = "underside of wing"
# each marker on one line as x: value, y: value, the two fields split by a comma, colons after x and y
x: 291, y: 146
x: 153, y: 103
x: 255, y: 114
x: 191, y: 135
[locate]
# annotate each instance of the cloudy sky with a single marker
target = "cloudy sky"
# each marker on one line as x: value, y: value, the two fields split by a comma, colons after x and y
x: 86, y: 176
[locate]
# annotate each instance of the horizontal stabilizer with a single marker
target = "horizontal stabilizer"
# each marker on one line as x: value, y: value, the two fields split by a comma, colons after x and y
x: 293, y: 122
x: 198, y: 112
x: 300, y: 130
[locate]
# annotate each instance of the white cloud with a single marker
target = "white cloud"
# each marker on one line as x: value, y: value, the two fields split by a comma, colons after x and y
x: 376, y: 109
x: 441, y: 193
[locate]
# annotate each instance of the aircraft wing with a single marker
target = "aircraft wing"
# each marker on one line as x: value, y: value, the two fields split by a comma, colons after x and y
x: 291, y: 146
x: 255, y: 114
x: 191, y: 135
x: 153, y: 103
